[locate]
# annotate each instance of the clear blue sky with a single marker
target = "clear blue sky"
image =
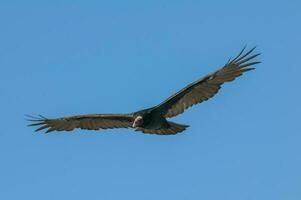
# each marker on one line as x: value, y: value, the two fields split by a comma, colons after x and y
x: 61, y: 58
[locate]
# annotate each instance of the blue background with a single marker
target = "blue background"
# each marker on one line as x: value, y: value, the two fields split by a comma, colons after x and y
x: 62, y: 58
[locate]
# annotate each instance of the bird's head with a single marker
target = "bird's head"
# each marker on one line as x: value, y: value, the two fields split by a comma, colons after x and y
x: 138, y: 121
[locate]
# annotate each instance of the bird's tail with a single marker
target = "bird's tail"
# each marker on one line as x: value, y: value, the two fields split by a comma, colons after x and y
x: 171, y: 128
x: 175, y: 128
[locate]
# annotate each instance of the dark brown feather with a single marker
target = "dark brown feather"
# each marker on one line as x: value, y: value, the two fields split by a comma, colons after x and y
x: 171, y: 129
x: 89, y: 122
x: 205, y: 88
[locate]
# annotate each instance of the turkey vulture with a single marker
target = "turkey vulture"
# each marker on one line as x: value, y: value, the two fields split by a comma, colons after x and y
x: 154, y: 120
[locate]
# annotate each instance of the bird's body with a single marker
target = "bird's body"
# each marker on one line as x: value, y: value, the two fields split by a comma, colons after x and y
x: 154, y: 120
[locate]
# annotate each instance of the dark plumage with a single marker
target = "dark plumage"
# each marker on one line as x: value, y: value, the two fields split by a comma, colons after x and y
x: 153, y: 120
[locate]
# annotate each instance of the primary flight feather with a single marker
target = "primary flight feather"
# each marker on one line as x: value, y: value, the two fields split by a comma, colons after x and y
x: 154, y: 120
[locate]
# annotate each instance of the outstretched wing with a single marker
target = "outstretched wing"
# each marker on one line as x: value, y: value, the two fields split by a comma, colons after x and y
x: 207, y: 87
x: 89, y: 122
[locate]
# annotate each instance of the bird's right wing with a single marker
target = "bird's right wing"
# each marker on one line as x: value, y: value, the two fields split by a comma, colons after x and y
x: 205, y: 88
x: 89, y: 122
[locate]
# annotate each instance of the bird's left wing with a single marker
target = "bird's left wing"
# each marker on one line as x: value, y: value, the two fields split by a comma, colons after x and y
x: 89, y: 122
x: 207, y: 87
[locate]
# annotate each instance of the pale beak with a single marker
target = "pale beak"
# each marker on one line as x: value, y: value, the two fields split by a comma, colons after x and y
x: 137, y: 122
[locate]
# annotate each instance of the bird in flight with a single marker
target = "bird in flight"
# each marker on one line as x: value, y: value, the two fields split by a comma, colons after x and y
x: 154, y: 120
